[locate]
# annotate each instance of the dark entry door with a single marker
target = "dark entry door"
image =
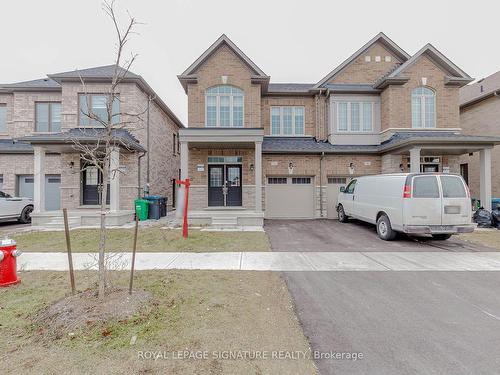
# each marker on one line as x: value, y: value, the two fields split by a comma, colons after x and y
x: 216, y: 185
x: 91, y: 183
x: 233, y: 183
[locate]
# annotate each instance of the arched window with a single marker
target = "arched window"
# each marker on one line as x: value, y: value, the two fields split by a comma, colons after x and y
x: 423, y: 108
x: 224, y: 106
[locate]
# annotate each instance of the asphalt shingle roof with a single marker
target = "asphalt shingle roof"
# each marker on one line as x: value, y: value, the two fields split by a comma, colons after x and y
x: 473, y: 91
x: 11, y: 146
x: 305, y: 145
x: 86, y: 135
x: 36, y: 83
x: 105, y: 71
x: 290, y: 87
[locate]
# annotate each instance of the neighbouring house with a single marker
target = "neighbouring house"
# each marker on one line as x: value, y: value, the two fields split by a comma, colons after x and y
x: 39, y: 119
x: 255, y: 149
x: 480, y: 114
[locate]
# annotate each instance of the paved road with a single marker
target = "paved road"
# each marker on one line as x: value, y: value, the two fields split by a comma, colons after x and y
x: 402, y: 322
x: 331, y: 235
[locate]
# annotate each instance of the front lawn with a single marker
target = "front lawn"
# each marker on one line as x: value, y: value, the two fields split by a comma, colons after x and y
x: 151, y: 239
x: 490, y: 238
x: 193, y: 311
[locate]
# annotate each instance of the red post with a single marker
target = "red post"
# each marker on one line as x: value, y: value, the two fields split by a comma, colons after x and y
x: 186, y: 183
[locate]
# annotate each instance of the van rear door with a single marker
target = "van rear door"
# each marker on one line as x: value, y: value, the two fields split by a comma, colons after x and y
x: 423, y: 206
x: 456, y: 208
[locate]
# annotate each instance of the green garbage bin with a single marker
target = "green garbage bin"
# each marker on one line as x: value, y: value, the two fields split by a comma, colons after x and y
x: 141, y: 209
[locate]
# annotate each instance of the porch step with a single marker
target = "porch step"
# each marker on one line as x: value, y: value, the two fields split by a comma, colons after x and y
x: 58, y: 222
x: 223, y: 223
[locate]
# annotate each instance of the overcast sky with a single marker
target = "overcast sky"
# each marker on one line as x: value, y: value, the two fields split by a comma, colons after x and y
x: 292, y: 41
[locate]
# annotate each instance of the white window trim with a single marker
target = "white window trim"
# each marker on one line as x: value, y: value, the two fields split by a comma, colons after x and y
x: 361, y: 114
x: 422, y: 110
x: 281, y: 133
x: 217, y: 110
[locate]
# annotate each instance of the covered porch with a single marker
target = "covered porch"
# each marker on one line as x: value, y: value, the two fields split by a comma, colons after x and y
x: 81, y: 182
x: 441, y: 153
x: 224, y: 166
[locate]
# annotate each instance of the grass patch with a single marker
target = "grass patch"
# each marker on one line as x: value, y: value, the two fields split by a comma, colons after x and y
x: 150, y: 239
x: 489, y: 238
x: 190, y: 310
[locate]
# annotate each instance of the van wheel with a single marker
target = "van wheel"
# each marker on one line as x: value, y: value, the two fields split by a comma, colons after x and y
x: 384, y: 228
x: 341, y: 214
x: 441, y: 236
x: 25, y: 217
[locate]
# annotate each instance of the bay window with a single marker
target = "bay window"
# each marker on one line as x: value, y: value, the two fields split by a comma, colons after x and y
x: 224, y: 107
x: 355, y: 116
x: 287, y: 120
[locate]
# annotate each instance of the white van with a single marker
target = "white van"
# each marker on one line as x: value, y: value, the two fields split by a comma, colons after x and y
x: 414, y: 203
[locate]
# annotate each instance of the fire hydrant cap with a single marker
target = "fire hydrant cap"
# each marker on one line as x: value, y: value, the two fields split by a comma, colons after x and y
x: 7, y: 242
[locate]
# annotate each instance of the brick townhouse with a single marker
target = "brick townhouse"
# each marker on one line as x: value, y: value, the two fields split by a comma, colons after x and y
x: 480, y: 114
x: 254, y: 149
x: 39, y: 118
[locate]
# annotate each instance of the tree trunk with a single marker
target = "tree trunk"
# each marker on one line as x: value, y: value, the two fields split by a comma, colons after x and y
x: 102, y: 236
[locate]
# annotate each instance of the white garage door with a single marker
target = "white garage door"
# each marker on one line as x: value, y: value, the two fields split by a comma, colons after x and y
x: 52, y: 189
x: 290, y: 198
x: 332, y: 194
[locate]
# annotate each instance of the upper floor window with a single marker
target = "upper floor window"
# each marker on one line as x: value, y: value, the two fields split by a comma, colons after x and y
x: 96, y: 104
x: 287, y: 120
x: 355, y: 116
x: 3, y: 118
x: 224, y: 107
x: 48, y: 116
x: 423, y: 108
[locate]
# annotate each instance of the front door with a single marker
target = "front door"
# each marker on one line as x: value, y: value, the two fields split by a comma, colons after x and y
x: 91, y: 185
x: 233, y: 184
x: 224, y: 185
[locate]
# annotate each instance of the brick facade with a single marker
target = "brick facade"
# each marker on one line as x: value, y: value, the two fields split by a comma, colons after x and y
x: 482, y: 118
x: 164, y: 154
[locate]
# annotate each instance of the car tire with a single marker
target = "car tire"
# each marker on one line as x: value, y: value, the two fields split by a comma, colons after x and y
x: 441, y: 236
x: 384, y: 228
x: 25, y: 217
x: 341, y: 214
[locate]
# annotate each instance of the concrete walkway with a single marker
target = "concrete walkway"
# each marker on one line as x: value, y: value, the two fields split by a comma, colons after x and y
x: 280, y: 261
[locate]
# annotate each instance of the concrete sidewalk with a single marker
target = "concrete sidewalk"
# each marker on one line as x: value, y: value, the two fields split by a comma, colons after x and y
x: 280, y: 261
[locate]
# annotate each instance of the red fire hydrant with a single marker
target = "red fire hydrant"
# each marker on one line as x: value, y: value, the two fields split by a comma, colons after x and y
x: 8, y: 262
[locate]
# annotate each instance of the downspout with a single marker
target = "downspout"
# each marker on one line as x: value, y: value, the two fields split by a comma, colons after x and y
x: 327, y: 115
x: 139, y: 174
x: 321, y: 184
x: 147, y: 143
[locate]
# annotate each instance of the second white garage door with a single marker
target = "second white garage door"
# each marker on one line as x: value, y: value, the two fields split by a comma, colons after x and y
x: 289, y: 198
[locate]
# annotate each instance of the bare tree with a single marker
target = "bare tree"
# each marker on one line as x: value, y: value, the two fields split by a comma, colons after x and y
x: 98, y: 144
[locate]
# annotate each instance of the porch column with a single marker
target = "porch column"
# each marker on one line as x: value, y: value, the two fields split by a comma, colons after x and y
x: 415, y: 160
x: 114, y: 184
x: 39, y: 179
x: 184, y: 174
x: 485, y: 178
x: 258, y: 176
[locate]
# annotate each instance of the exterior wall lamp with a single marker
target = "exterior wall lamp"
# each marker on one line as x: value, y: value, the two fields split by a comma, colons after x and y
x: 352, y: 168
x: 251, y: 167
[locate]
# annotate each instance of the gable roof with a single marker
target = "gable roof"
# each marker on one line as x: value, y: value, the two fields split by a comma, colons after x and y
x: 435, y: 56
x: 480, y: 90
x: 190, y: 73
x: 379, y: 38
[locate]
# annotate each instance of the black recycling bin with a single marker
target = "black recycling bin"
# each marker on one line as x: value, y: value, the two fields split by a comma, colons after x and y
x: 163, y: 206
x: 154, y: 206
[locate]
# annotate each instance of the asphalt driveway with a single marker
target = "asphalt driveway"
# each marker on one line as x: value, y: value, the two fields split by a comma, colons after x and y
x: 331, y: 235
x: 401, y: 322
